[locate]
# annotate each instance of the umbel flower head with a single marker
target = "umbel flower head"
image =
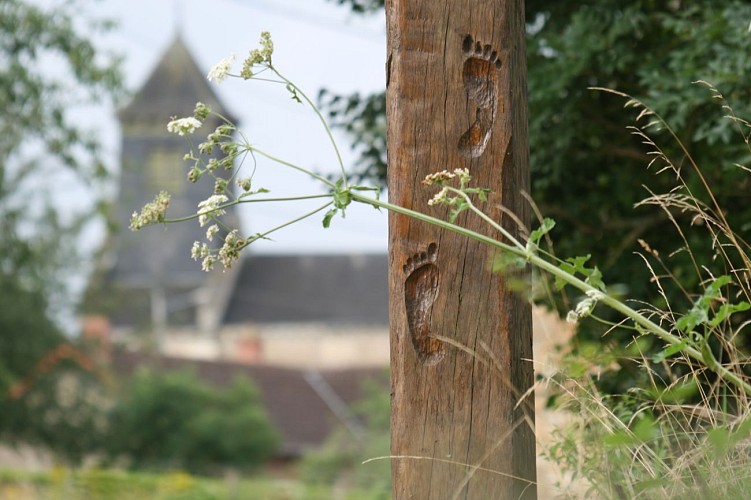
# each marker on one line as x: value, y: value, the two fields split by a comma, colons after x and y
x: 227, y: 254
x: 260, y: 56
x: 444, y: 176
x: 221, y: 69
x: 151, y: 212
x: 210, y: 206
x: 182, y: 126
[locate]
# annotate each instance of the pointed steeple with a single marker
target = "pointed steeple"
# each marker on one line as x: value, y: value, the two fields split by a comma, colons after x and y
x: 151, y: 270
x: 173, y: 88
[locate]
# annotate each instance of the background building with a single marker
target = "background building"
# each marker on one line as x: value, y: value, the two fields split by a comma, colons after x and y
x: 294, y: 310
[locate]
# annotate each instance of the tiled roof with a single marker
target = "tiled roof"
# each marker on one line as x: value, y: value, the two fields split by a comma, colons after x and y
x: 301, y: 415
x: 340, y: 289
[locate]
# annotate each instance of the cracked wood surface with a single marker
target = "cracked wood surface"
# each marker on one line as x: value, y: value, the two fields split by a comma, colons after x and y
x: 461, y: 342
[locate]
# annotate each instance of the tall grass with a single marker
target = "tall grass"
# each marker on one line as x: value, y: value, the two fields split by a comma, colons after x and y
x: 686, y: 432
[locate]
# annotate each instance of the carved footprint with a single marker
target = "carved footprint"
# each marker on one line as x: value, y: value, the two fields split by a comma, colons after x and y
x: 420, y: 292
x: 480, y: 76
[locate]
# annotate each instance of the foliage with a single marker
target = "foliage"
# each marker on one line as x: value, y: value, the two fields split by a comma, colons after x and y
x: 48, y: 390
x: 644, y: 444
x: 47, y: 67
x: 341, y: 457
x: 362, y: 6
x: 363, y: 118
x: 173, y: 420
x: 681, y: 430
x: 38, y: 136
x: 692, y: 381
x: 586, y: 173
x: 652, y: 51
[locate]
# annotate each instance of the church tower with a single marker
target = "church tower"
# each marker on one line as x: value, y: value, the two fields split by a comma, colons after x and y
x: 154, y: 282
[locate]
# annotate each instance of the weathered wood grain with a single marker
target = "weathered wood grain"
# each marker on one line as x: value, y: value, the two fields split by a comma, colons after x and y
x: 456, y: 98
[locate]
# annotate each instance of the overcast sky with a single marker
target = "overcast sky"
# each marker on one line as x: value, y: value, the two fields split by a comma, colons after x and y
x: 317, y: 44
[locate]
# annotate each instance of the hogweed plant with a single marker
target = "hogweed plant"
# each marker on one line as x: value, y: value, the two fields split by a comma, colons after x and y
x: 629, y: 450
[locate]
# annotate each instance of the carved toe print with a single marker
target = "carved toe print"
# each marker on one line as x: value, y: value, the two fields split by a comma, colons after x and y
x: 480, y: 76
x: 420, y: 292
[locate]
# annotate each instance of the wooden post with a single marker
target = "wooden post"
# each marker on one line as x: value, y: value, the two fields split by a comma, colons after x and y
x: 461, y: 341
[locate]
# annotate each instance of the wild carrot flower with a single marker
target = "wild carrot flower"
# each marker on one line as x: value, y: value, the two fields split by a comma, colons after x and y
x: 230, y: 251
x: 210, y: 206
x: 440, y: 197
x: 182, y: 126
x: 211, y: 232
x: 220, y: 71
x: 151, y: 212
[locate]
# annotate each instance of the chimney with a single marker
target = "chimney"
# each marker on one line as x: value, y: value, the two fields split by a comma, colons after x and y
x: 96, y: 331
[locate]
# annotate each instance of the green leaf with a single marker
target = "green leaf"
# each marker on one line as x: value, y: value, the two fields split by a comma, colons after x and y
x: 461, y: 206
x: 741, y: 432
x: 329, y: 215
x: 342, y: 196
x: 719, y: 439
x: 646, y: 429
x: 726, y: 310
x: 676, y: 394
x: 620, y: 439
x: 594, y: 279
x: 572, y: 266
x: 699, y: 312
x: 545, y: 228
x: 292, y: 90
x: 670, y: 350
x: 506, y: 261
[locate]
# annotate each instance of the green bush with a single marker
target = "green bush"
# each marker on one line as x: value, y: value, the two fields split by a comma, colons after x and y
x: 172, y: 420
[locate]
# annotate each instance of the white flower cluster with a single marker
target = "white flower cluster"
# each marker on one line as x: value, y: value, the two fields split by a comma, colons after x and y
x: 202, y: 251
x: 151, y: 212
x: 585, y: 307
x: 440, y: 197
x: 442, y: 177
x: 211, y: 232
x: 209, y: 207
x: 182, y: 126
x: 227, y: 254
x: 220, y: 71
x: 230, y: 251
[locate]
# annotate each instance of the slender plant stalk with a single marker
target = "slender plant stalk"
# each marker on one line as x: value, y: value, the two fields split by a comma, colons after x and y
x: 288, y: 223
x: 250, y: 200
x: 342, y: 193
x: 292, y: 165
x: 570, y: 279
x: 321, y: 118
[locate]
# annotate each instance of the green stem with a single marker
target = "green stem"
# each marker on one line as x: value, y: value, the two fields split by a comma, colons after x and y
x: 321, y: 118
x: 288, y: 223
x: 486, y: 218
x: 290, y: 198
x: 242, y: 200
x: 572, y: 280
x: 292, y: 165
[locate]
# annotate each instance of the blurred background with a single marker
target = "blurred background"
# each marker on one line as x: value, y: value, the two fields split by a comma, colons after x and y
x: 127, y: 372
x: 118, y: 352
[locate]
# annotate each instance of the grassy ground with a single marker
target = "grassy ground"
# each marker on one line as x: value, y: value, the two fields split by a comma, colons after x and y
x: 98, y: 484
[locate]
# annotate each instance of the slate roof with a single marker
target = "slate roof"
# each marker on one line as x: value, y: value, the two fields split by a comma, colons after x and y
x: 152, y: 160
x: 300, y: 414
x: 335, y: 289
